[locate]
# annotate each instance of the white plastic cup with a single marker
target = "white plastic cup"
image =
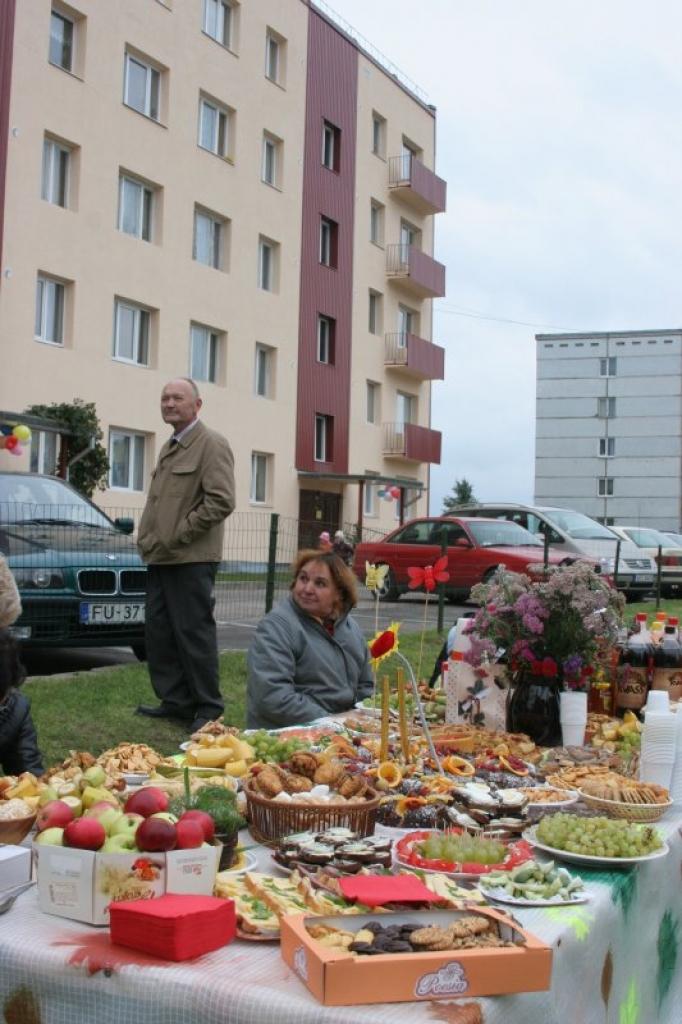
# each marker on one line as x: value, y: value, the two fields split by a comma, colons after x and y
x: 573, y: 735
x: 573, y: 707
x: 657, y: 701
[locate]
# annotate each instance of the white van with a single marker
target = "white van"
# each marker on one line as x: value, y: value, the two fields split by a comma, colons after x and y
x: 576, y: 534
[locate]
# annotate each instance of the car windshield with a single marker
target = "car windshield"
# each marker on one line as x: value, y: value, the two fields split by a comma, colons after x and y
x: 501, y: 534
x: 577, y: 525
x: 644, y: 538
x: 47, y: 501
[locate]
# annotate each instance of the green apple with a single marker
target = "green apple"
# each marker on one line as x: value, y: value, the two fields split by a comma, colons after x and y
x: 75, y: 803
x: 126, y: 825
x: 47, y: 794
x: 120, y: 844
x: 95, y: 776
x: 92, y: 795
x: 106, y: 815
x: 51, y: 837
x: 165, y: 816
x: 67, y: 789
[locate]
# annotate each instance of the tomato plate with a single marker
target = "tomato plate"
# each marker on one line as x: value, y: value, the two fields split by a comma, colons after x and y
x: 406, y: 851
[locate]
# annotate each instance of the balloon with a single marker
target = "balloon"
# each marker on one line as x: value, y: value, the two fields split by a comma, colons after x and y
x: 387, y: 496
x: 381, y: 492
x: 11, y: 442
x: 6, y: 430
x: 2, y: 440
x: 16, y: 451
x: 22, y: 432
x: 395, y: 491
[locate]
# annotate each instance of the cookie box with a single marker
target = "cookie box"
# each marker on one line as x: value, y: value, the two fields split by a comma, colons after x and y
x: 80, y: 884
x: 338, y: 978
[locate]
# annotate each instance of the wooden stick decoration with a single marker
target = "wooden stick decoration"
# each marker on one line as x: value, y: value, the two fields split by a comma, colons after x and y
x: 385, y: 709
x: 402, y: 715
x: 420, y: 710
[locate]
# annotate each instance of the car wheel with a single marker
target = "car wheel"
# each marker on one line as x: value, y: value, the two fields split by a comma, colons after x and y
x: 633, y: 595
x: 140, y: 651
x: 388, y: 590
x: 489, y: 573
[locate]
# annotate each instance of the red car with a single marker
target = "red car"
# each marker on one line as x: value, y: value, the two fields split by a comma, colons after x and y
x: 476, y: 547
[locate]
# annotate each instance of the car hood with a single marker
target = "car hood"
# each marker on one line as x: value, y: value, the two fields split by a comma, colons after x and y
x: 65, y: 544
x: 605, y: 548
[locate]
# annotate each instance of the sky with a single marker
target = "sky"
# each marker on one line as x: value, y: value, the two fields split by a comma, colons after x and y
x: 560, y: 137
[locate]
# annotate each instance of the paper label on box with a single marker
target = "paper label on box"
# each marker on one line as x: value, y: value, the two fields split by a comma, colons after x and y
x: 448, y: 980
x: 63, y: 894
x: 192, y: 871
x: 301, y: 963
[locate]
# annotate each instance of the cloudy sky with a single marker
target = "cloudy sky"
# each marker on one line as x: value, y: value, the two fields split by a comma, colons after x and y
x: 560, y: 137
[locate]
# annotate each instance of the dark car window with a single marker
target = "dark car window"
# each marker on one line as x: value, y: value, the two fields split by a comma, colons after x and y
x: 415, y: 533
x: 454, y: 531
x: 502, y: 534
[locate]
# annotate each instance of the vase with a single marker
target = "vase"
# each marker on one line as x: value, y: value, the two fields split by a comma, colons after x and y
x: 533, y: 708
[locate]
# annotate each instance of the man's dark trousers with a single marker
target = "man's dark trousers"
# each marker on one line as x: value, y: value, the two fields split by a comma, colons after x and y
x: 182, y: 643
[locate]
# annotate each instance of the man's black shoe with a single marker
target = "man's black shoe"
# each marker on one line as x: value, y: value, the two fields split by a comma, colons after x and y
x: 161, y: 712
x: 198, y: 723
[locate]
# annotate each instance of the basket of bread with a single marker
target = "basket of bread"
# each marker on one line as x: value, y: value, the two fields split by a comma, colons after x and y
x: 308, y: 793
x: 621, y: 797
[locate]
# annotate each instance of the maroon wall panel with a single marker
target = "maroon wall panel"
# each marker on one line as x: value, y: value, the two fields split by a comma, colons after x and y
x: 7, y: 8
x: 331, y: 95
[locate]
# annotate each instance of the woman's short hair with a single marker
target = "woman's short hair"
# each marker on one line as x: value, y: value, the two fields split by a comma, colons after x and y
x: 340, y: 573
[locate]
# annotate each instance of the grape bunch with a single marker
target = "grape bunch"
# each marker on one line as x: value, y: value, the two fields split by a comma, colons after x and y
x: 598, y: 837
x: 462, y: 849
x: 268, y: 747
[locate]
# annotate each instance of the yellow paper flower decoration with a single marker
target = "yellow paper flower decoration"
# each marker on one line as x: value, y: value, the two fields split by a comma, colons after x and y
x: 375, y: 576
x: 384, y: 644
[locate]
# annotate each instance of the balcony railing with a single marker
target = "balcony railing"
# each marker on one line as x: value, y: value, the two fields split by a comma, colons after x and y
x: 416, y: 184
x: 416, y: 270
x: 409, y: 441
x: 416, y: 356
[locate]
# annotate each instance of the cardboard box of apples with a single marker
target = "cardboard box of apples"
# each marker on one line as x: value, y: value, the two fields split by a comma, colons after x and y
x: 95, y: 850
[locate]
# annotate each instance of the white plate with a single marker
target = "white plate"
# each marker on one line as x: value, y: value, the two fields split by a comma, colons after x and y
x: 588, y: 860
x: 186, y: 745
x: 249, y: 865
x: 555, y: 803
x: 501, y: 896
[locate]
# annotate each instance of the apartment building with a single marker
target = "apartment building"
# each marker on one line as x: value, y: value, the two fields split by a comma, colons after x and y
x: 609, y: 425
x: 236, y: 191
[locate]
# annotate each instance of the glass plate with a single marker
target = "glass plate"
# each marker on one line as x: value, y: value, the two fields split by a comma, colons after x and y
x: 592, y: 861
x: 502, y: 896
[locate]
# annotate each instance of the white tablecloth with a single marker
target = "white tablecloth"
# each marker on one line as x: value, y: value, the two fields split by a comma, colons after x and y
x: 616, y: 961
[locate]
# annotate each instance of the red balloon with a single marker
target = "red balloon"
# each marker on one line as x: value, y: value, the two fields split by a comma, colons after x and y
x: 11, y: 442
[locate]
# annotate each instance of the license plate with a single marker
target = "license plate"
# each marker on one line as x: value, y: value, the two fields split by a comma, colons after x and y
x: 110, y: 613
x: 643, y: 578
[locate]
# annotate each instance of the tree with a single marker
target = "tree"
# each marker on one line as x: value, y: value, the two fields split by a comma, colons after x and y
x: 92, y: 470
x: 462, y: 494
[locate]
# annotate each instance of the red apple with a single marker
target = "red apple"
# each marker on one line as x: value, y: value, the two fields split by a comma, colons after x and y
x: 149, y: 800
x: 55, y: 814
x: 85, y: 834
x: 156, y: 835
x: 190, y: 834
x: 205, y: 820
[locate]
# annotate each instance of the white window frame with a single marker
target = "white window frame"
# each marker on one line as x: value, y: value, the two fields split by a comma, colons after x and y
x: 376, y: 222
x: 372, y: 402
x: 374, y: 316
x: 605, y: 487
x: 220, y: 13
x: 44, y: 453
x: 260, y: 478
x: 55, y: 13
x: 330, y: 140
x: 54, y: 333
x: 56, y: 165
x: 220, y: 128
x: 407, y: 324
x: 608, y: 366
x: 326, y: 241
x: 267, y: 268
x: 325, y: 338
x: 405, y: 408
x: 141, y: 333
x: 263, y: 370
x: 216, y: 224
x: 606, y: 408
x: 273, y: 57
x: 144, y: 214
x: 270, y: 167
x: 378, y: 135
x: 152, y: 100
x: 369, y: 500
x: 607, y: 447
x: 210, y: 339
x: 135, y: 459
x: 321, y: 439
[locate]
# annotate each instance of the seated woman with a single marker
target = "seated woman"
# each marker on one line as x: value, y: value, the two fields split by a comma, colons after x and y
x: 18, y: 741
x: 309, y: 657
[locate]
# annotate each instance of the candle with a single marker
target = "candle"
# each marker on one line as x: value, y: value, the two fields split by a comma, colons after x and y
x: 402, y: 715
x: 385, y: 708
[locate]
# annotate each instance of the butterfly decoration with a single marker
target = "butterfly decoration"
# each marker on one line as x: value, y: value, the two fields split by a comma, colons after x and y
x: 428, y: 576
x: 375, y: 576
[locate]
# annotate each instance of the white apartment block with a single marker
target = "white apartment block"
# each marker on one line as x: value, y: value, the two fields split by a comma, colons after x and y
x: 236, y: 191
x: 609, y: 425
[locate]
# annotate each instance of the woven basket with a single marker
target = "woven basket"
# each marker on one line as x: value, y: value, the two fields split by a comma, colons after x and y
x: 645, y: 813
x: 13, y: 830
x: 270, y: 820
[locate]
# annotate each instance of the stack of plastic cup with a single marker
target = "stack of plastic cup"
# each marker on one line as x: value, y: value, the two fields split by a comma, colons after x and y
x: 676, y: 781
x: 659, y: 740
x: 573, y: 717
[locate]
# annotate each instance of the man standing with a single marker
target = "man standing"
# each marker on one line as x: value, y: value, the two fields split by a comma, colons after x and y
x: 181, y: 539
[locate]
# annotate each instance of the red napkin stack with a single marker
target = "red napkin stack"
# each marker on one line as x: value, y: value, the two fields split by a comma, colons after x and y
x: 375, y: 890
x: 173, y: 927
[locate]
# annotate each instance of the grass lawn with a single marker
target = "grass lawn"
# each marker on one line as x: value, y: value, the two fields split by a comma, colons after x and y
x: 95, y: 710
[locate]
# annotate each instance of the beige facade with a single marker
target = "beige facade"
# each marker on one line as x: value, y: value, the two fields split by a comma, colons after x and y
x: 133, y: 304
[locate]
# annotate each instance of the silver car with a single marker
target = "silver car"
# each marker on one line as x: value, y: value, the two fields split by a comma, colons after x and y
x: 576, y: 535
x: 649, y: 541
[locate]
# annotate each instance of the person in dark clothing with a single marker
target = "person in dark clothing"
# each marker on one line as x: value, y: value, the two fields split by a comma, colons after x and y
x: 18, y: 740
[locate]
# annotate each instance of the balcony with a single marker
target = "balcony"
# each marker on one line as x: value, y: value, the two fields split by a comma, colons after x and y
x: 415, y: 356
x: 416, y: 271
x: 416, y: 184
x: 409, y: 441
